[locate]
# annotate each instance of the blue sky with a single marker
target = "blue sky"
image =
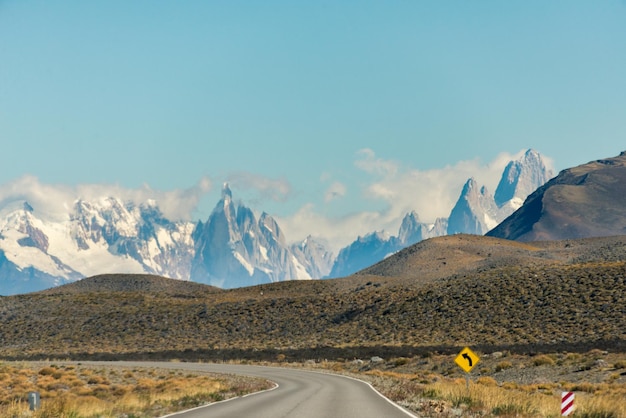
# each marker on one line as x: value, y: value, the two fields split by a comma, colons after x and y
x: 333, y: 116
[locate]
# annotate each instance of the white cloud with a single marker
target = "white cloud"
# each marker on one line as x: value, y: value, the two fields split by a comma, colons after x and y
x: 55, y: 201
x: 369, y: 163
x: 432, y: 193
x: 277, y: 190
x: 336, y: 231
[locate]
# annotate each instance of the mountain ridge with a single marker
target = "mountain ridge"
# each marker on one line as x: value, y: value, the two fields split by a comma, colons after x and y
x: 231, y: 248
x: 476, y: 212
x: 583, y: 201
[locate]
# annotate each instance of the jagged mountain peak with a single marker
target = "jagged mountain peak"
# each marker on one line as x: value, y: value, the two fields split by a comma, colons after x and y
x: 99, y: 234
x: 522, y: 177
x: 270, y: 229
x: 469, y: 185
x: 363, y: 252
x: 227, y: 194
x: 412, y: 230
x: 475, y: 212
x: 412, y: 216
x: 233, y: 249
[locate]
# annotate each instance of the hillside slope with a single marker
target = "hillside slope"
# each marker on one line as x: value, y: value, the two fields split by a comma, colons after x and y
x: 584, y: 201
x: 563, y: 295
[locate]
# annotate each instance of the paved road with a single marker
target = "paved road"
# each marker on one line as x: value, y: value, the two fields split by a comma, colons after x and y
x: 300, y: 394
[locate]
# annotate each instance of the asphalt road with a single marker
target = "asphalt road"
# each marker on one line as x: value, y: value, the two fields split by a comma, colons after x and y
x: 299, y: 394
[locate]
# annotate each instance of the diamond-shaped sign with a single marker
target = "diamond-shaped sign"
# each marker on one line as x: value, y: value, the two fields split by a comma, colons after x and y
x: 467, y: 359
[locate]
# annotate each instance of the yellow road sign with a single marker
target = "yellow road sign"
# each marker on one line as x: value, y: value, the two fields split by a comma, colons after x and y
x: 467, y: 359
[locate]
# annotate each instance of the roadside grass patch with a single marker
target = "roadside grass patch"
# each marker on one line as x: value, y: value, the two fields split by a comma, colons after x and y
x: 86, y: 392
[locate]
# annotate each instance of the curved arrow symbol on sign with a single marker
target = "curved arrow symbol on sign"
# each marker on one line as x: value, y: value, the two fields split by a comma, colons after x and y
x: 468, y: 358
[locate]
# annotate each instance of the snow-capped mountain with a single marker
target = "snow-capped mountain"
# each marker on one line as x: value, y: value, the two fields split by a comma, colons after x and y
x: 376, y: 246
x: 585, y: 201
x: 412, y: 230
x: 234, y: 250
x: 520, y: 179
x: 314, y: 256
x: 476, y: 212
x: 363, y: 253
x: 139, y: 233
x: 107, y: 236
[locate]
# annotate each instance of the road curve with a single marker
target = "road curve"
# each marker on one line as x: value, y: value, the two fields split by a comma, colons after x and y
x: 301, y: 394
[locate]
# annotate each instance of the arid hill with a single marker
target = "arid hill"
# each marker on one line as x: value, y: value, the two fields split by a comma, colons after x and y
x: 584, y: 201
x: 143, y: 283
x: 437, y: 295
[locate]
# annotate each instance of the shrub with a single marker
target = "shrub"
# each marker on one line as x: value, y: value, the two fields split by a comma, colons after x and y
x: 503, y: 365
x: 543, y: 360
x: 47, y: 371
x: 401, y: 361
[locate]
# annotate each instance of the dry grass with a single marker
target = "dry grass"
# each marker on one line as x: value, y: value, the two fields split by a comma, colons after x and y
x: 542, y: 306
x: 83, y: 391
x: 530, y: 386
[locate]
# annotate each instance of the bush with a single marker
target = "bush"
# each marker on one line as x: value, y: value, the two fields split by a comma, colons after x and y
x: 543, y: 360
x: 47, y: 371
x: 401, y: 361
x: 503, y: 365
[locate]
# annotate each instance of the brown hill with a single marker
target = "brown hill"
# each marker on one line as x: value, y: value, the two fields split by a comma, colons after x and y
x: 133, y: 283
x: 584, y: 201
x: 490, y: 293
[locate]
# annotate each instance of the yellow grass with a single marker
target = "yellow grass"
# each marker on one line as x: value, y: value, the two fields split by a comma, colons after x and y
x: 112, y: 392
x: 420, y: 390
x: 526, y: 400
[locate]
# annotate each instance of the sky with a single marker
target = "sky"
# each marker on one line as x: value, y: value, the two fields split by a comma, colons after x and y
x: 335, y: 117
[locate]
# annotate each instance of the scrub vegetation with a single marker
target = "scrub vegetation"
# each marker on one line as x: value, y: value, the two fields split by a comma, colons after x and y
x: 529, y: 386
x: 79, y: 391
x: 554, y: 311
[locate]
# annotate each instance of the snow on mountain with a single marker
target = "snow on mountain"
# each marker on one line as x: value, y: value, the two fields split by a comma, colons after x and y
x: 520, y: 178
x: 412, y: 230
x: 27, y: 241
x: 138, y: 237
x: 364, y: 252
x: 233, y: 249
x: 476, y: 212
x: 107, y: 236
x: 314, y: 256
